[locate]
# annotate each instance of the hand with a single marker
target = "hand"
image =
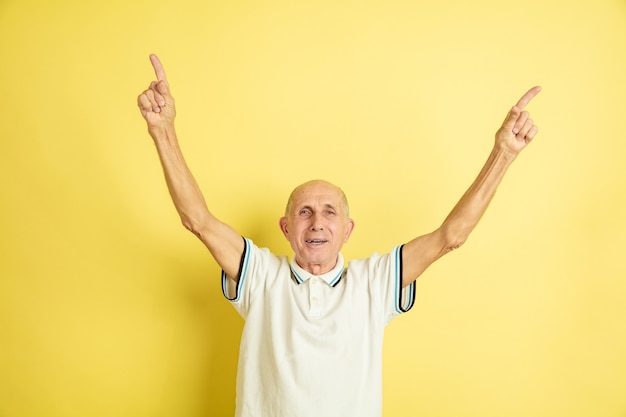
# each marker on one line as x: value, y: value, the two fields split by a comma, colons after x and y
x: 156, y: 103
x: 518, y: 130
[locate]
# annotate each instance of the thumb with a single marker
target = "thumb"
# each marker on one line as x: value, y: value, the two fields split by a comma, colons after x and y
x: 164, y: 89
x: 511, y: 118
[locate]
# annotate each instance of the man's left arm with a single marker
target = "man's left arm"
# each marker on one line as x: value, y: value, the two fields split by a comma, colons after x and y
x: 516, y: 132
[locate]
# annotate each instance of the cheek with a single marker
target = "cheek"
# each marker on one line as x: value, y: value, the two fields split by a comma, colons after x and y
x: 296, y: 230
x: 341, y: 232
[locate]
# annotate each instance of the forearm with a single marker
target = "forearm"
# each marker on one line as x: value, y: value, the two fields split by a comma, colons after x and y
x: 467, y: 212
x: 421, y: 252
x: 224, y: 243
x: 183, y: 188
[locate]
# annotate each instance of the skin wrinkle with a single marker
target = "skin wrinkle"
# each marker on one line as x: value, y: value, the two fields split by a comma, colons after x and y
x: 316, y: 224
x: 301, y: 186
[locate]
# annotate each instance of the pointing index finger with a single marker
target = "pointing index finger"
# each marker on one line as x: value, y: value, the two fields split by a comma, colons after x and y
x: 158, y: 68
x: 530, y: 94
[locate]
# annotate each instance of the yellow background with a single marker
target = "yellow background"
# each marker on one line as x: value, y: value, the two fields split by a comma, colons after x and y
x: 108, y: 307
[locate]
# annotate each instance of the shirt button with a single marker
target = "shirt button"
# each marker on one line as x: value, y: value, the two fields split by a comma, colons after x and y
x: 315, y: 299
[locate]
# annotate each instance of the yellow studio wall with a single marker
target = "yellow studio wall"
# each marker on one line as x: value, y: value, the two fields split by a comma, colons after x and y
x: 108, y: 307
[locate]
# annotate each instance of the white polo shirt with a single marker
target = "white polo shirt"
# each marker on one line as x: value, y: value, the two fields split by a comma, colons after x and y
x: 312, y: 345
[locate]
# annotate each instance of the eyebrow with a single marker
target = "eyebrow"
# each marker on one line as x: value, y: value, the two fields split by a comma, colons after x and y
x: 326, y: 205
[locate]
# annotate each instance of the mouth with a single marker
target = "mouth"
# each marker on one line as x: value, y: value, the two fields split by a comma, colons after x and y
x: 315, y: 242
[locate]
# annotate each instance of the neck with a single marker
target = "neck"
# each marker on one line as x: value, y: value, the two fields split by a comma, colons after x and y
x: 317, y: 269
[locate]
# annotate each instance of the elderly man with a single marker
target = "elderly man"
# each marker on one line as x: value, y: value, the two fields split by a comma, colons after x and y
x: 312, y: 341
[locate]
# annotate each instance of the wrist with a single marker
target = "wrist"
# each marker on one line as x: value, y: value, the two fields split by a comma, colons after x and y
x: 163, y: 133
x: 504, y: 152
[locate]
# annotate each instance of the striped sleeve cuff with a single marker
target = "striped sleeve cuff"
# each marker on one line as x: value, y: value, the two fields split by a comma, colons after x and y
x: 405, y: 297
x: 231, y: 288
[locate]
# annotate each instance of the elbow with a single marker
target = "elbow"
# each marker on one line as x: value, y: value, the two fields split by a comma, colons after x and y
x: 192, y: 227
x: 452, y: 239
x: 451, y: 246
x: 198, y: 228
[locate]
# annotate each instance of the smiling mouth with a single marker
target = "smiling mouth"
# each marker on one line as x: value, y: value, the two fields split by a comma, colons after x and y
x: 315, y: 241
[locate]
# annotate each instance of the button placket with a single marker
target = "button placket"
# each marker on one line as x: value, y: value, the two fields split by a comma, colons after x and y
x: 315, y: 297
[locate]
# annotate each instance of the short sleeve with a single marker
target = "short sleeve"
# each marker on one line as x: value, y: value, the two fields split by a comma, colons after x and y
x: 384, y: 273
x: 256, y: 267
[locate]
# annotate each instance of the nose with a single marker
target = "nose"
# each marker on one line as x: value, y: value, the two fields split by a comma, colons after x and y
x: 316, y: 222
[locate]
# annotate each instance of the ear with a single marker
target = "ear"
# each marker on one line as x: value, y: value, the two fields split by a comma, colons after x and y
x: 282, y: 223
x: 349, y: 229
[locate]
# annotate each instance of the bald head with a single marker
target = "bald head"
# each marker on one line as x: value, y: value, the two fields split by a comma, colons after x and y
x: 309, y: 186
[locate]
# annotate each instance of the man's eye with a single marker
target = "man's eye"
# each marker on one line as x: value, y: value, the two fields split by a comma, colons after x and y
x: 330, y: 212
x: 304, y: 212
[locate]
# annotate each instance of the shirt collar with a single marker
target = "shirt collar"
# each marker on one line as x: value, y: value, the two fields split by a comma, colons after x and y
x: 331, y: 277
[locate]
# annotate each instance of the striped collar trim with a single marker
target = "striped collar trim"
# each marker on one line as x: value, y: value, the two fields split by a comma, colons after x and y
x: 331, y: 277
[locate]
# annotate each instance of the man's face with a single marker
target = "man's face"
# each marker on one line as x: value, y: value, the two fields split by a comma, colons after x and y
x: 317, y: 225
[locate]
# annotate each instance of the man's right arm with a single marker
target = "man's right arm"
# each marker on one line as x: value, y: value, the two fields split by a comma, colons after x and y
x: 157, y: 107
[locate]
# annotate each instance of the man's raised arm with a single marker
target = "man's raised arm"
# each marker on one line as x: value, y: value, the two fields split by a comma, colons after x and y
x: 157, y: 108
x: 516, y: 132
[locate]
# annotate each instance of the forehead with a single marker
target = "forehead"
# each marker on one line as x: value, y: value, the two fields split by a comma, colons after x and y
x: 317, y: 193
